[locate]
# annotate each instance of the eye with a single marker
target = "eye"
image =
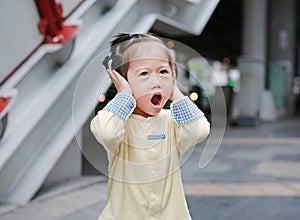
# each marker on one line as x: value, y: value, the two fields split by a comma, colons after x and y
x: 144, y: 73
x: 163, y: 71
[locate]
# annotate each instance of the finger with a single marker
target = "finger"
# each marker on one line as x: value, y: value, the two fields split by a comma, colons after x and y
x: 112, y: 76
x: 109, y: 72
x: 122, y: 84
x: 118, y: 80
x: 118, y: 76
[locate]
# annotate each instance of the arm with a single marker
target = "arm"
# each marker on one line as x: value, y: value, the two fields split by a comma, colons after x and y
x: 191, y: 126
x: 108, y: 126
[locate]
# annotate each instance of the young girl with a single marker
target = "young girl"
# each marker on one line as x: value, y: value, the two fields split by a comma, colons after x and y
x: 143, y: 141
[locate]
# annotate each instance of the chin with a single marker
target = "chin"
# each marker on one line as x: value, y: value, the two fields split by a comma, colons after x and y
x: 155, y: 113
x: 151, y: 113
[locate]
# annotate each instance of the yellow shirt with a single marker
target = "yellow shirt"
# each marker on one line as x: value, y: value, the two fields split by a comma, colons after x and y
x: 144, y: 162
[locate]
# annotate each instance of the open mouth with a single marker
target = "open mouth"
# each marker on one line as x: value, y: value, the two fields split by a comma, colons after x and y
x: 156, y: 99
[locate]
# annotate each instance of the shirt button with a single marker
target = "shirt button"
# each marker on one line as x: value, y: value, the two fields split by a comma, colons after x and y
x: 152, y: 149
x: 153, y: 196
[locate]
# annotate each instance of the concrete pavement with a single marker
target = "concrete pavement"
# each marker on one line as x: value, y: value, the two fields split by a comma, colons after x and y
x: 254, y: 175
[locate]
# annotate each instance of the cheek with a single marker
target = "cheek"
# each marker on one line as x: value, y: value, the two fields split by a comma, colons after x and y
x: 140, y: 88
x: 168, y: 86
x: 142, y: 102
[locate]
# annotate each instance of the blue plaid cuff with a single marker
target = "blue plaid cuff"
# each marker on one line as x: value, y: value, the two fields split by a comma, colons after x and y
x: 122, y: 105
x: 185, y: 111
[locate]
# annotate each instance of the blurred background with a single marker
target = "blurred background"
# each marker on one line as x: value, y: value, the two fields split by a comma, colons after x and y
x: 248, y: 49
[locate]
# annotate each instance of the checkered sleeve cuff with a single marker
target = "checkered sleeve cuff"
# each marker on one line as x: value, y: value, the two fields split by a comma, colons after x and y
x: 122, y: 105
x: 185, y: 111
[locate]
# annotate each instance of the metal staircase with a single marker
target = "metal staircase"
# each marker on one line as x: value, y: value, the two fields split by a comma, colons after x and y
x: 41, y: 122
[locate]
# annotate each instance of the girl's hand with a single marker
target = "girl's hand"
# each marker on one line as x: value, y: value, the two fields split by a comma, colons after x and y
x: 176, y: 94
x: 120, y: 82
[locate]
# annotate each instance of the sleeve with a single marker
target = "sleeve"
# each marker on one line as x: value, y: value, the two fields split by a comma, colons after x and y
x: 108, y: 126
x: 191, y: 126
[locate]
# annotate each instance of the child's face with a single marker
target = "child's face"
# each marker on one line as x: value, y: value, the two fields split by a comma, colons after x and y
x: 150, y: 77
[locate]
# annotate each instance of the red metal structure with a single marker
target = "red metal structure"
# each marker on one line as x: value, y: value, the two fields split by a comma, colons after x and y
x: 4, y: 102
x: 52, y: 27
x: 51, y: 24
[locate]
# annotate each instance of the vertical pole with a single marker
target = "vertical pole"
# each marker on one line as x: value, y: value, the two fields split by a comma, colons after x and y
x: 252, y: 62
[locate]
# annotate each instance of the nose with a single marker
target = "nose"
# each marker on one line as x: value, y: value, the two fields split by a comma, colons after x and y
x: 155, y: 81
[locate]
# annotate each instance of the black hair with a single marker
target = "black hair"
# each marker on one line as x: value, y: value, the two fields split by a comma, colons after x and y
x: 121, y: 42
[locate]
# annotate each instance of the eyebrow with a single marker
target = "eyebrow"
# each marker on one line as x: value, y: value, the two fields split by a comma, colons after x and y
x: 164, y: 66
x: 142, y: 68
x: 147, y: 68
